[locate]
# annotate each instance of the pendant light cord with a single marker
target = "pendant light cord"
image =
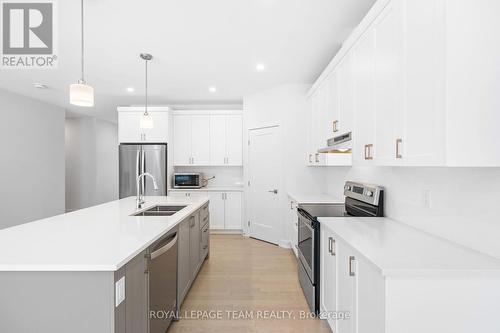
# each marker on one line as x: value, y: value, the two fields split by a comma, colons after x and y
x: 83, y: 45
x: 146, y: 109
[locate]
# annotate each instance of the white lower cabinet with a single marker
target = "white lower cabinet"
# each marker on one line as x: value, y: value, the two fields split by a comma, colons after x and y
x: 393, y: 296
x: 328, y: 278
x: 350, y: 284
x: 225, y: 207
x: 216, y: 210
x: 232, y: 210
x: 188, y: 194
x: 225, y: 210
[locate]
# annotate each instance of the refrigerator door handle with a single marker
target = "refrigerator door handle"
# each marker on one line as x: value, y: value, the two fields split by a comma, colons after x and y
x: 137, y: 164
x: 143, y: 169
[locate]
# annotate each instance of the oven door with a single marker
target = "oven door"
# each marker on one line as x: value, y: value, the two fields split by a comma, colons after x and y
x: 306, y: 243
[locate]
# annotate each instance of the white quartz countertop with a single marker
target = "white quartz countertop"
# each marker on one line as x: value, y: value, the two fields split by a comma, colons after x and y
x: 209, y: 189
x: 304, y: 198
x: 99, y: 238
x: 398, y: 249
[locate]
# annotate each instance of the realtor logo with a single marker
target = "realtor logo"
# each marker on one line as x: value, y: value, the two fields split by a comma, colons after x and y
x: 28, y: 34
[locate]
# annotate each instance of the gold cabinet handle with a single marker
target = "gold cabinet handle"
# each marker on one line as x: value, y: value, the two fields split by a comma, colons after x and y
x: 398, y: 148
x: 368, y: 152
x: 351, y: 266
x: 335, y: 126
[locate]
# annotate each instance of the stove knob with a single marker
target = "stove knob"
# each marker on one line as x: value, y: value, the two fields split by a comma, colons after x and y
x: 369, y: 193
x: 347, y: 188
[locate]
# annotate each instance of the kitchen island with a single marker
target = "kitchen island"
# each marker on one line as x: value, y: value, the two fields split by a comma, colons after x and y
x: 84, y: 271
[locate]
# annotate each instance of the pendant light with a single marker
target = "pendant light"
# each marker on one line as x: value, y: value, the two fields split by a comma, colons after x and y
x: 146, y: 119
x: 81, y: 94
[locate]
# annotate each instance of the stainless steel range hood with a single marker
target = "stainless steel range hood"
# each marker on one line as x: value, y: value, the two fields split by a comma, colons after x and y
x: 339, y: 144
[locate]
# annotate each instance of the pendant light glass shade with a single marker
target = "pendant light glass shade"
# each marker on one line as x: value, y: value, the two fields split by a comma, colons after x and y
x: 81, y: 94
x: 147, y: 121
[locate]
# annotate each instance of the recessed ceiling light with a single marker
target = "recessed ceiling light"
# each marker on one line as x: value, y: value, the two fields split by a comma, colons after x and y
x: 39, y: 85
x: 260, y: 67
x: 212, y: 89
x: 130, y: 89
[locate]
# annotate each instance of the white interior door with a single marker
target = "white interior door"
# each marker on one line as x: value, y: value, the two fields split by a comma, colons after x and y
x: 264, y: 177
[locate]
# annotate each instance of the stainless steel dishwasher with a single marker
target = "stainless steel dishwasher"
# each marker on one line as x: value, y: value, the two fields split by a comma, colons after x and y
x: 162, y: 283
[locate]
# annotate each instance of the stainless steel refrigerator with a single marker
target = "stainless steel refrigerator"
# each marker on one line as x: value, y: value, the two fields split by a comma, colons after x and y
x: 136, y: 159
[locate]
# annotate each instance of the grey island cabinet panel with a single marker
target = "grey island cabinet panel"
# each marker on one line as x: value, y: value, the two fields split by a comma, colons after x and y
x: 194, y: 245
x: 131, y: 315
x: 183, y: 271
x: 56, y: 302
x: 193, y: 250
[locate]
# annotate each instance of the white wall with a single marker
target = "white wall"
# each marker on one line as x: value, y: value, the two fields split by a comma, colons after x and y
x: 285, y: 106
x: 91, y: 162
x: 463, y: 201
x: 31, y: 159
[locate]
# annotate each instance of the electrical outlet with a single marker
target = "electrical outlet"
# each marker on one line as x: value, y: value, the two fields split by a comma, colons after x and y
x: 427, y: 198
x: 119, y: 291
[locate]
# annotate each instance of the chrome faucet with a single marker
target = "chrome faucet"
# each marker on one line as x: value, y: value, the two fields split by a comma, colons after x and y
x: 140, y: 195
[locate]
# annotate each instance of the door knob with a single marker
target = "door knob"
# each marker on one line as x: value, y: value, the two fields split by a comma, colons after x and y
x: 273, y: 191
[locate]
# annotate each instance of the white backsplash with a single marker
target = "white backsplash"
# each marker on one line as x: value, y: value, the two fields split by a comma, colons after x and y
x: 459, y: 204
x: 224, y: 176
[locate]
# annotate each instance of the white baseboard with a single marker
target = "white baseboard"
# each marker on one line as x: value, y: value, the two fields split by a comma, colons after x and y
x: 226, y: 232
x: 286, y: 244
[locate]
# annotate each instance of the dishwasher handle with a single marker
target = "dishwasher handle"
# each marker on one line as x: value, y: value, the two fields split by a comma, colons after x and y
x: 164, y: 248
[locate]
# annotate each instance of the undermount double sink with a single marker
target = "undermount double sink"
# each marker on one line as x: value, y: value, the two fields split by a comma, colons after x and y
x: 160, y: 210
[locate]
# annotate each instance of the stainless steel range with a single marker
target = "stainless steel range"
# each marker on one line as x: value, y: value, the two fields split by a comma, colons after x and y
x: 361, y: 200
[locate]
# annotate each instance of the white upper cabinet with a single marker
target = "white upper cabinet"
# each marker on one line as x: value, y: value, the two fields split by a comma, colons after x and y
x: 191, y: 140
x: 324, y: 124
x: 218, y: 139
x: 364, y: 138
x: 234, y: 140
x: 472, y: 83
x: 130, y: 131
x: 346, y: 95
x: 208, y: 138
x: 388, y: 84
x: 182, y: 140
x: 200, y: 140
x: 423, y: 134
x: 409, y: 88
x: 226, y: 140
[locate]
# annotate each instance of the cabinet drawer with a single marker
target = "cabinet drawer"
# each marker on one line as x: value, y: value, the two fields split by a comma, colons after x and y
x: 204, y: 221
x: 204, y: 240
x: 204, y: 215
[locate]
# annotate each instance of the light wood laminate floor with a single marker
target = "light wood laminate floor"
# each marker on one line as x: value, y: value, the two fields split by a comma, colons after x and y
x: 244, y: 274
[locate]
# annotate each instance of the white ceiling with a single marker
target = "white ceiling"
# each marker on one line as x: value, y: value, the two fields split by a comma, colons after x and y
x: 195, y: 44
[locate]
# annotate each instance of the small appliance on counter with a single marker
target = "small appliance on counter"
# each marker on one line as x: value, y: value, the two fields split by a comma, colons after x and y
x: 361, y: 200
x: 188, y: 180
